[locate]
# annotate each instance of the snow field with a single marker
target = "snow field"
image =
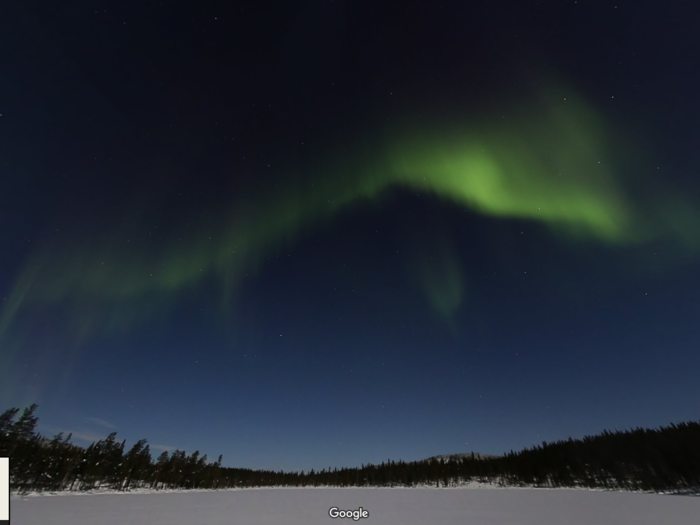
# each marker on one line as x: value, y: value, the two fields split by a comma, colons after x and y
x: 385, y: 507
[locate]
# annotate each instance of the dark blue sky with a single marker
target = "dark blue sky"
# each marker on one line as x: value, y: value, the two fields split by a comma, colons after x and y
x: 213, y: 236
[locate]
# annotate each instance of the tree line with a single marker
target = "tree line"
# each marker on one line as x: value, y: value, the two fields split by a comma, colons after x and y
x: 663, y: 459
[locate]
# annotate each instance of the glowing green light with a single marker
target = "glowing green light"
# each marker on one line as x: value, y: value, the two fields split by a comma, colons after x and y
x: 548, y: 165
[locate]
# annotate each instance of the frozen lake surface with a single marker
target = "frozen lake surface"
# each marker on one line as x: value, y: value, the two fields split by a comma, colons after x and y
x: 385, y: 506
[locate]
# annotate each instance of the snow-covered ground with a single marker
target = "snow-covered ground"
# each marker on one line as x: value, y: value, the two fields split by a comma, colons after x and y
x: 477, y: 506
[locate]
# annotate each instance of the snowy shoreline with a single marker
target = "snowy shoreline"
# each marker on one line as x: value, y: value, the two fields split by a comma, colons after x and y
x: 465, y: 486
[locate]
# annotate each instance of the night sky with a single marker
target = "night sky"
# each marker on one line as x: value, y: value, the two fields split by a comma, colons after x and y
x: 326, y: 233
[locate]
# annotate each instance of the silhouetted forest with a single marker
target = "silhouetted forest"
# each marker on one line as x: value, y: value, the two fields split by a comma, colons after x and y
x: 663, y: 459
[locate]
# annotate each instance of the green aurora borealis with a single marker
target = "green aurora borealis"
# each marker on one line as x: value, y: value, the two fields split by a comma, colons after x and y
x: 550, y: 164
